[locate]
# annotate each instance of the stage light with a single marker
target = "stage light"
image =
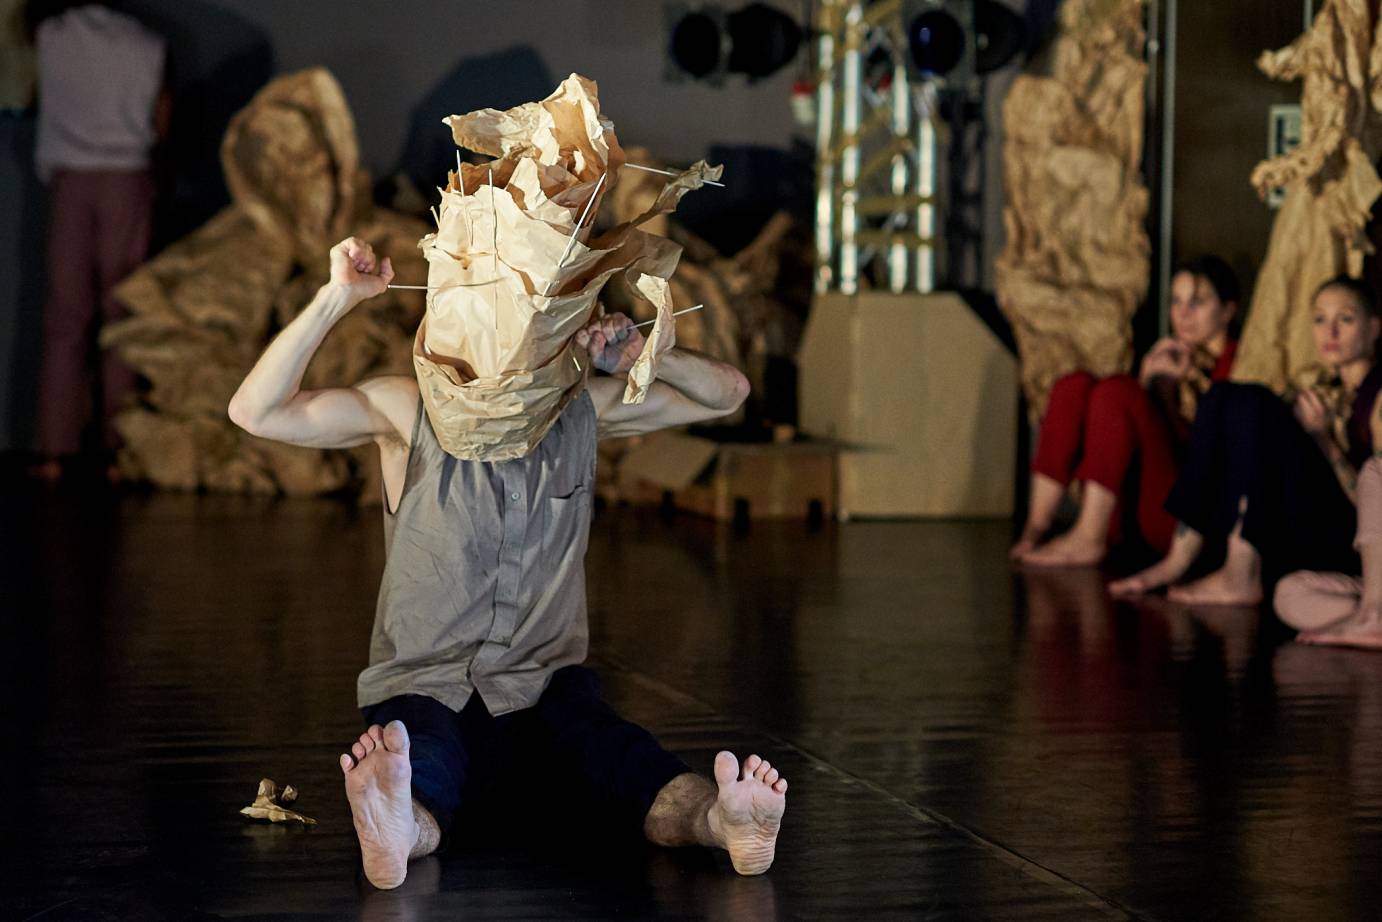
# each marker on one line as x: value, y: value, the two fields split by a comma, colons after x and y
x: 999, y: 34
x: 959, y: 39
x: 697, y: 43
x: 706, y: 43
x: 937, y: 42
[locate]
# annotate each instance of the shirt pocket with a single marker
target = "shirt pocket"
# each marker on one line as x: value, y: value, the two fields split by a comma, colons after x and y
x: 566, y: 524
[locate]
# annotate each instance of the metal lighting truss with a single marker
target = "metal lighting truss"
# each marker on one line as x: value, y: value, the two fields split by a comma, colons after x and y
x: 875, y: 152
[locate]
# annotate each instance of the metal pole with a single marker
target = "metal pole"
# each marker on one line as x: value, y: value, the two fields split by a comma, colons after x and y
x: 925, y: 272
x: 1168, y: 166
x: 825, y: 164
x: 902, y: 128
x: 849, y: 156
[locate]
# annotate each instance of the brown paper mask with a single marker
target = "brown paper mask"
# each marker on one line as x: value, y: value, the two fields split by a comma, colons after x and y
x: 512, y: 277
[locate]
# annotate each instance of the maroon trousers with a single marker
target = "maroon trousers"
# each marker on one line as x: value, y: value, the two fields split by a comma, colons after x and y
x: 1108, y: 431
x: 99, y: 227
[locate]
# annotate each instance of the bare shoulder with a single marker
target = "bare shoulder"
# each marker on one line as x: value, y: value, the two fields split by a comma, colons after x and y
x: 395, y: 398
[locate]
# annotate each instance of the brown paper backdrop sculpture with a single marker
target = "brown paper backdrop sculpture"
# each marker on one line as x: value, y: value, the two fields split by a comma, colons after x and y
x: 514, y: 272
x: 1076, y: 260
x: 17, y: 64
x: 204, y: 309
x: 1330, y: 185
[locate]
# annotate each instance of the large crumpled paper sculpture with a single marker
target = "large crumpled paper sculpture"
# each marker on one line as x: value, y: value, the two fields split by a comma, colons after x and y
x: 203, y: 310
x: 512, y: 280
x: 1330, y: 182
x: 1076, y: 261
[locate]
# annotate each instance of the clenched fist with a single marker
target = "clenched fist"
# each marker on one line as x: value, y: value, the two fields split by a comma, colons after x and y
x: 356, y: 271
x: 613, y: 342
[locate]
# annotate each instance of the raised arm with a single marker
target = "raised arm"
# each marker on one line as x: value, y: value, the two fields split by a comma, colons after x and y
x: 270, y: 402
x: 690, y: 387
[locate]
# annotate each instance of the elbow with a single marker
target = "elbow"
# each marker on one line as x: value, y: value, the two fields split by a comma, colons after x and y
x: 241, y: 414
x: 736, y: 394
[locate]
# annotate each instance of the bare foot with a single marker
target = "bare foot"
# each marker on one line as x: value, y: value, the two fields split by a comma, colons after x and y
x: 1363, y: 630
x: 1366, y: 639
x: 1027, y: 542
x: 748, y: 811
x: 378, y: 785
x: 1222, y: 587
x: 1071, y: 549
x: 1161, y: 573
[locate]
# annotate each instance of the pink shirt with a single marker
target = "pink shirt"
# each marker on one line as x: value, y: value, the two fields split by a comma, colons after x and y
x: 99, y: 76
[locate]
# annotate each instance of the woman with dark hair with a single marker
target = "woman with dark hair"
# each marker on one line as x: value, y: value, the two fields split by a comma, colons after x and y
x: 1276, y: 480
x: 1120, y: 437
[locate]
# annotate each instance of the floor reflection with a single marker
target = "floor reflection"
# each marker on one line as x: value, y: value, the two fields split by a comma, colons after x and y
x: 963, y: 740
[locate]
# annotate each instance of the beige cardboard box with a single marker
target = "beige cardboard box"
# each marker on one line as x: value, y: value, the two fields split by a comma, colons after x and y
x: 924, y: 397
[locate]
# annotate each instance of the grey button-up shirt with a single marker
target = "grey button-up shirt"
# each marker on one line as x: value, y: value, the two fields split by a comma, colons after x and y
x: 484, y: 586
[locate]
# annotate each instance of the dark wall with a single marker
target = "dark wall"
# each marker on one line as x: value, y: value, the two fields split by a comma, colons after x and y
x: 1221, y: 106
x: 389, y: 53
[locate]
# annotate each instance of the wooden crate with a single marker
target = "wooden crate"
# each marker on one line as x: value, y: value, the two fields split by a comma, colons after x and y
x: 765, y: 481
x: 735, y: 481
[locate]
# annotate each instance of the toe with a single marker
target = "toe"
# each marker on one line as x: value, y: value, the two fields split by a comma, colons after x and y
x: 347, y: 763
x: 781, y: 786
x: 762, y: 770
x: 359, y: 751
x: 395, y: 737
x: 726, y: 768
x: 771, y: 777
x: 376, y: 733
x: 751, y: 765
x: 368, y: 742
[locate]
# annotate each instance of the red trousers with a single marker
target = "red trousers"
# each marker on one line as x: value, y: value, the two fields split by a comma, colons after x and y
x: 1108, y: 431
x: 99, y: 227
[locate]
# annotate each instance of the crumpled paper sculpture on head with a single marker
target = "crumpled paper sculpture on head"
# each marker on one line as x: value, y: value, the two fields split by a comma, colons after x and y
x: 511, y: 280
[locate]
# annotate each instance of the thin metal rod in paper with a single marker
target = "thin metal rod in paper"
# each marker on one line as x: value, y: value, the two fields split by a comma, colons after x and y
x: 653, y: 169
x: 677, y: 314
x: 453, y: 285
x: 572, y: 241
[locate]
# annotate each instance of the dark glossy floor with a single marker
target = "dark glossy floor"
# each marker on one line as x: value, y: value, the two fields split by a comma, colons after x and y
x: 963, y: 742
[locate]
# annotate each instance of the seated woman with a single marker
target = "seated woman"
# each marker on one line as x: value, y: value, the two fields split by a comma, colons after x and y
x: 1277, y: 486
x: 1120, y: 437
x: 1336, y: 608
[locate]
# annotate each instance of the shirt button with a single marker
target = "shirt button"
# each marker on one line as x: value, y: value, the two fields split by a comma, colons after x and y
x: 514, y: 497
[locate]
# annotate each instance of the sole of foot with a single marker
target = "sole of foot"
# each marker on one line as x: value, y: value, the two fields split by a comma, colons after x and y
x: 378, y: 781
x: 748, y: 811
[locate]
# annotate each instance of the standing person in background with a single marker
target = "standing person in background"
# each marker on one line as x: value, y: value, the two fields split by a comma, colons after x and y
x: 101, y: 110
x: 1120, y: 437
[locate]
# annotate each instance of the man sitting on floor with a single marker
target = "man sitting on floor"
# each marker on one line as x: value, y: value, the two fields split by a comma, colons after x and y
x: 481, y: 625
